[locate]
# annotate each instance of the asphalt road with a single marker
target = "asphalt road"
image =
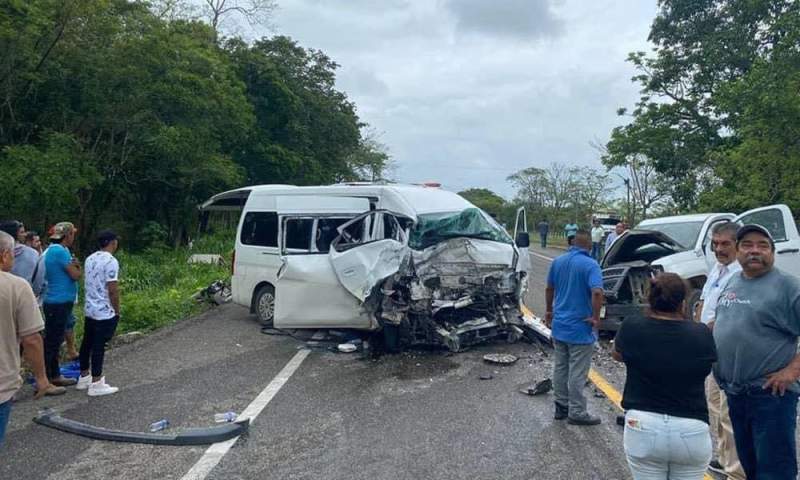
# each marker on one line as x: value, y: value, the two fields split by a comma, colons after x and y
x: 415, y: 415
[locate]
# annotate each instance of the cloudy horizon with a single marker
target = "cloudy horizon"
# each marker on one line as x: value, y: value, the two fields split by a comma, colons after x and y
x: 466, y: 92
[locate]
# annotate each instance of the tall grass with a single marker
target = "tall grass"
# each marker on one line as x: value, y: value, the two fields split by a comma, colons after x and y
x: 156, y: 286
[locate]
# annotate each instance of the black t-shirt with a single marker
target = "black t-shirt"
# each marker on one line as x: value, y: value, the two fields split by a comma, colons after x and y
x: 667, y: 362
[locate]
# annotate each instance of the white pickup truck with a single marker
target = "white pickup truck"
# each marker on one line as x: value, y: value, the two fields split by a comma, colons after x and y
x: 680, y: 245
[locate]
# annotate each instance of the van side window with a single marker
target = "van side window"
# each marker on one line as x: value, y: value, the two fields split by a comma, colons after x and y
x: 298, y: 233
x: 260, y: 229
x: 326, y: 232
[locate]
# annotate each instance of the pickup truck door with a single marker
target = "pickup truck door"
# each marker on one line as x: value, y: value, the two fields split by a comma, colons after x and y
x: 369, y: 248
x: 308, y: 293
x: 779, y: 221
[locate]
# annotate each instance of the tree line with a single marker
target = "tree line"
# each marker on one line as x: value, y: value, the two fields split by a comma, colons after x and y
x: 128, y: 114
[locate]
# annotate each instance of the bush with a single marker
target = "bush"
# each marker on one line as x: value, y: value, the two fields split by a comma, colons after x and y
x: 156, y: 286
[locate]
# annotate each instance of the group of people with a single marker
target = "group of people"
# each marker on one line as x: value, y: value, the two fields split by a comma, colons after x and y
x: 598, y: 245
x: 745, y: 331
x: 38, y: 293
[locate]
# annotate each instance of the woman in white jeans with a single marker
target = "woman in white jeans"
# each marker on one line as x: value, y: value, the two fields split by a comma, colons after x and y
x: 667, y: 358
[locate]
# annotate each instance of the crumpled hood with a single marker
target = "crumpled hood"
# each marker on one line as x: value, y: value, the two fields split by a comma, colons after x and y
x: 627, y: 247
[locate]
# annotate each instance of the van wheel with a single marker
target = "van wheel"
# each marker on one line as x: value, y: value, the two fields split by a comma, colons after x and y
x: 265, y: 305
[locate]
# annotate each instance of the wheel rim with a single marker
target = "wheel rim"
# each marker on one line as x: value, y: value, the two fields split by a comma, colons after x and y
x: 266, y: 306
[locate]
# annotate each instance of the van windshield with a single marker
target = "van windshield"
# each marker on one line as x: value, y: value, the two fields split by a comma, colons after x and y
x: 433, y: 228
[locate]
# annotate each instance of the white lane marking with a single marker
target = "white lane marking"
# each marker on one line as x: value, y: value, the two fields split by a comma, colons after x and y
x: 540, y: 256
x: 215, y: 452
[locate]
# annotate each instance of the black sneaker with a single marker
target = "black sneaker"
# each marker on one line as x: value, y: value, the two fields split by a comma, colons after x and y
x: 584, y: 420
x: 561, y: 413
x: 715, y: 466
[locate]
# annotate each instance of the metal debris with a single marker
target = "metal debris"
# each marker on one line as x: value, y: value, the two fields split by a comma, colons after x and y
x: 500, y: 358
x: 539, y: 388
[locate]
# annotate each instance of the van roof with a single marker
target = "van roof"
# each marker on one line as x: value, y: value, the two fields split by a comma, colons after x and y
x: 411, y: 200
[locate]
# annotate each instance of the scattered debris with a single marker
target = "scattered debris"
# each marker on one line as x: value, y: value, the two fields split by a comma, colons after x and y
x: 347, y: 348
x: 486, y: 376
x: 539, y: 388
x: 621, y: 420
x: 500, y: 358
x: 599, y: 394
x: 206, y: 258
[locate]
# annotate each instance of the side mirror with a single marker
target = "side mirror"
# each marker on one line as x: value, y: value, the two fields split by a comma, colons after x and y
x: 523, y: 240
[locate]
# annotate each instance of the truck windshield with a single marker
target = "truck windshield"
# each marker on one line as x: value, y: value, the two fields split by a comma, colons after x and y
x: 684, y: 233
x: 433, y: 228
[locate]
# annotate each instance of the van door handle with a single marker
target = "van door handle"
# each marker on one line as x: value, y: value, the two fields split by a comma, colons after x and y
x: 789, y: 250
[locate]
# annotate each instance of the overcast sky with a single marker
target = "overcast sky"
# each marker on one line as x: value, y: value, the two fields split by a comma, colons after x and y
x: 467, y: 92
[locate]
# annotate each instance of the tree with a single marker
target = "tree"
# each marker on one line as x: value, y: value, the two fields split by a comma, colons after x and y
x: 253, y: 12
x: 682, y: 121
x: 486, y: 200
x: 370, y: 161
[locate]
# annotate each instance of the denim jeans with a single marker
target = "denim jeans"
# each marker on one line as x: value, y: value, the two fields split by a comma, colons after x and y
x: 764, y: 430
x: 93, y: 347
x: 571, y: 364
x: 56, y: 316
x: 664, y: 447
x: 5, y: 413
x: 596, y: 250
x: 543, y: 239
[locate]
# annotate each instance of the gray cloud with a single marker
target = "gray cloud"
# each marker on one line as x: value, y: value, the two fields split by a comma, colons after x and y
x: 467, y: 97
x: 522, y: 19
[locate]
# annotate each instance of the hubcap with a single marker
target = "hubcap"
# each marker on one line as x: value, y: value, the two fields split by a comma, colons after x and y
x: 266, y: 306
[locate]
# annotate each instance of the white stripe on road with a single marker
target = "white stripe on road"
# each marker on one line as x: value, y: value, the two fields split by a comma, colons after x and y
x: 540, y: 256
x: 215, y: 452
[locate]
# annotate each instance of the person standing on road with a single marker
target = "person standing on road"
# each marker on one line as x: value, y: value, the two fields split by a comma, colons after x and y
x: 570, y: 230
x: 62, y: 271
x: 619, y: 229
x: 723, y: 244
x: 20, y: 324
x: 544, y: 228
x: 574, y: 296
x: 756, y: 331
x: 667, y: 357
x: 26, y: 259
x: 597, y: 239
x: 101, y: 314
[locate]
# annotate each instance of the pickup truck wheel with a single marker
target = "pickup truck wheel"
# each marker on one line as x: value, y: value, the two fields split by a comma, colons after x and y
x: 265, y: 305
x: 694, y: 297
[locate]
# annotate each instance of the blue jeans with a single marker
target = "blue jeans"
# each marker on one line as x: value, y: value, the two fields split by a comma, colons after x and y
x: 543, y: 239
x: 5, y: 413
x: 665, y: 447
x: 596, y: 250
x: 764, y: 431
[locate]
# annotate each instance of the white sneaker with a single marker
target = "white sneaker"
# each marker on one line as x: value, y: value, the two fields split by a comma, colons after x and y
x: 83, y: 382
x: 100, y: 388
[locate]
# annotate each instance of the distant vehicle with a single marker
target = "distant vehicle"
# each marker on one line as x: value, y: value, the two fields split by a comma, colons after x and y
x: 418, y: 259
x: 681, y: 245
x: 608, y: 220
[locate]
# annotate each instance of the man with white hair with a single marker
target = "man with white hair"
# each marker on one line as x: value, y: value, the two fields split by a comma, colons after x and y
x: 20, y: 324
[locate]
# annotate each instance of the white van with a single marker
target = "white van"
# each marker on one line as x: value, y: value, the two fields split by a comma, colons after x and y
x: 366, y: 256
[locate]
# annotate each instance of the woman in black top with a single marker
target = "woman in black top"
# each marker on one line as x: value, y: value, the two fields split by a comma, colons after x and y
x: 667, y: 358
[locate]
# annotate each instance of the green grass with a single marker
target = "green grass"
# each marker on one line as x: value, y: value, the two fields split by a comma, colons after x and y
x: 156, y: 286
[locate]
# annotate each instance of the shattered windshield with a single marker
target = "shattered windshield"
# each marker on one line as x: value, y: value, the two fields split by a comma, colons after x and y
x: 433, y: 228
x: 684, y: 233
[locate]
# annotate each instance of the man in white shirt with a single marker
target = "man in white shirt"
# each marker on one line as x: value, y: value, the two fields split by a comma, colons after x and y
x: 723, y: 244
x: 597, y: 239
x: 101, y: 314
x: 619, y: 229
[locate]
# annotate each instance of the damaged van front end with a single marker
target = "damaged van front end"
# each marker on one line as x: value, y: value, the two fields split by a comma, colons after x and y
x: 454, y: 280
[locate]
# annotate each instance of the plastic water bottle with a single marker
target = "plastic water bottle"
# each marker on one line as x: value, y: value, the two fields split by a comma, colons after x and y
x: 224, y: 417
x: 159, y: 425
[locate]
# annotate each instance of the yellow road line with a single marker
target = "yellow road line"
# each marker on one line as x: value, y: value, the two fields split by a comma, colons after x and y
x: 604, y: 386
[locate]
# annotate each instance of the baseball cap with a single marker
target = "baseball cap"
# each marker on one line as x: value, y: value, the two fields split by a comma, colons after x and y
x: 753, y: 227
x: 105, y: 237
x: 61, y: 230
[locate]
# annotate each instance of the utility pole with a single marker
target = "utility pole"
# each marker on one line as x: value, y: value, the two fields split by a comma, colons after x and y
x: 628, y: 199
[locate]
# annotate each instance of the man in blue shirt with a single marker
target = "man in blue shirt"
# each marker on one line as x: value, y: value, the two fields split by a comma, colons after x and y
x: 62, y: 272
x: 574, y: 296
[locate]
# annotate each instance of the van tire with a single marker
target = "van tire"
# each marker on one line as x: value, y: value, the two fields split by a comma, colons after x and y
x: 264, y: 305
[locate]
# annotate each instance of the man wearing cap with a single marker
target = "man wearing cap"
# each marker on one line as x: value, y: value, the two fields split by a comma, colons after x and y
x: 20, y: 324
x: 62, y: 272
x: 756, y: 331
x: 101, y: 314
